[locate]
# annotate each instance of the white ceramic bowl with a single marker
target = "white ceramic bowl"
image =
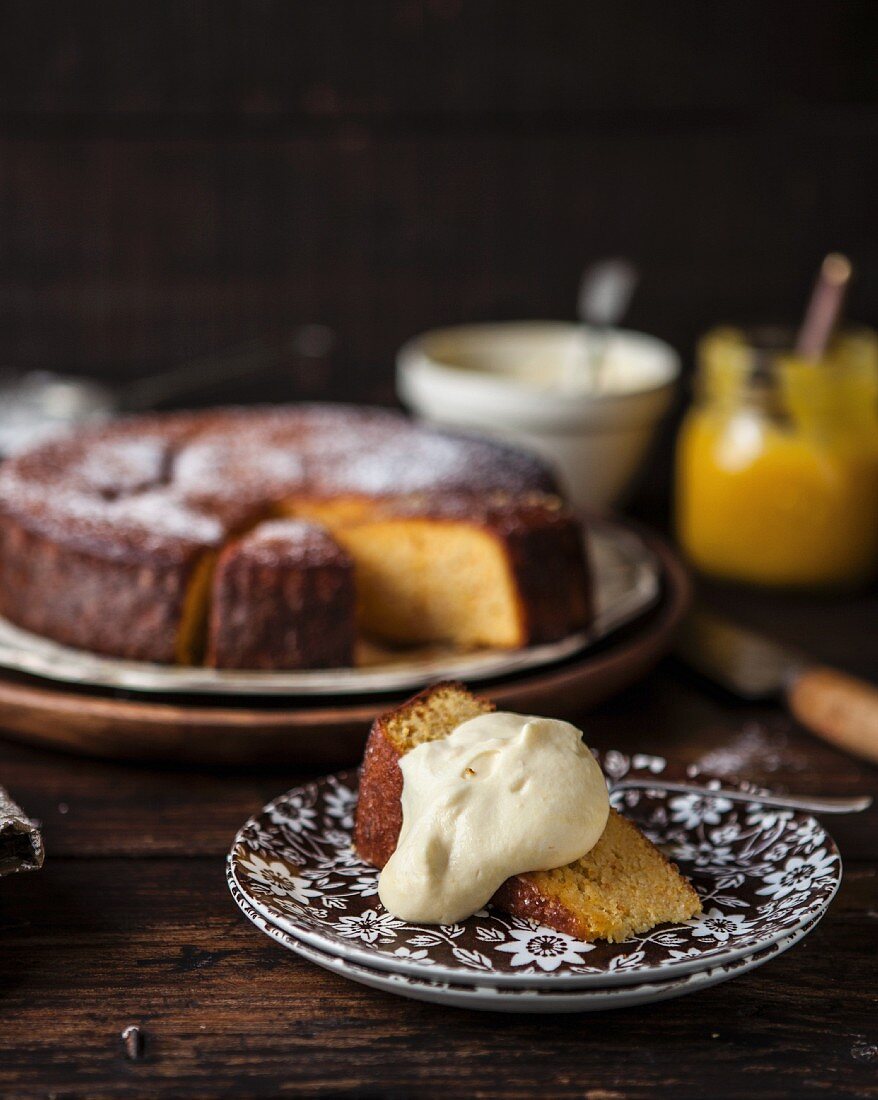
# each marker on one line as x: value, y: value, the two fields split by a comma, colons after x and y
x: 469, y: 377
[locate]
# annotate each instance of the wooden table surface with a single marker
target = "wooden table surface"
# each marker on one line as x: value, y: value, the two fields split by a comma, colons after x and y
x: 130, y: 922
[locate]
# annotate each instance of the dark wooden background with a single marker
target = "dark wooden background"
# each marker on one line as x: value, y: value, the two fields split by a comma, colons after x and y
x: 181, y: 174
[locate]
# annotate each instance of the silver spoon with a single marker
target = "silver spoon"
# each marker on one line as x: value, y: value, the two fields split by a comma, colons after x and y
x: 813, y: 804
x: 605, y: 292
x: 39, y: 404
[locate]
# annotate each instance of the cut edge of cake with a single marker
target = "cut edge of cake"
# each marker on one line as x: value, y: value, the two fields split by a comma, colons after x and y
x: 424, y: 573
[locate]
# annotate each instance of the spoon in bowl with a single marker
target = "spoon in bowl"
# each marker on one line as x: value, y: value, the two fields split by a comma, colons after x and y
x: 605, y: 292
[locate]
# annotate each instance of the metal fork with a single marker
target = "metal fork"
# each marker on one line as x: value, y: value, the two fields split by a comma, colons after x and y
x: 812, y: 804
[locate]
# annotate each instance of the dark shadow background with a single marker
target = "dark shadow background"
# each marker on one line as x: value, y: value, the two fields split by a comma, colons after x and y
x: 179, y: 175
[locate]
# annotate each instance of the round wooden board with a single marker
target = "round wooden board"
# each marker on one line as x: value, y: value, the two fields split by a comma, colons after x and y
x: 331, y: 734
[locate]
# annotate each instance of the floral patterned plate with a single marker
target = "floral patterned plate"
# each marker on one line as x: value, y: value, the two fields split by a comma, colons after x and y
x: 762, y: 874
x: 507, y: 999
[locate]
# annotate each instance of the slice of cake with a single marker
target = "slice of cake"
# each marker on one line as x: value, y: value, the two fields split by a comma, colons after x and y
x: 623, y: 886
x: 283, y: 598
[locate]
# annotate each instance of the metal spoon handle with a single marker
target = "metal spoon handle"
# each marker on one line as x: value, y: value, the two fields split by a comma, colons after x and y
x: 605, y: 292
x: 256, y: 358
x: 811, y: 804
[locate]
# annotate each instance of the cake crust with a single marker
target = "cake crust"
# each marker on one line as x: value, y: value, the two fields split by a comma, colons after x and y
x: 282, y: 595
x: 378, y: 819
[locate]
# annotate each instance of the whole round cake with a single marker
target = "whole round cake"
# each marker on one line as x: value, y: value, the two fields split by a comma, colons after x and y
x: 271, y: 538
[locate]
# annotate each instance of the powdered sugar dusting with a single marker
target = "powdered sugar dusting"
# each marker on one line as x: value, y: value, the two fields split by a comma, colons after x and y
x: 285, y: 531
x: 292, y: 541
x: 220, y: 464
x: 183, y: 481
x: 756, y: 750
x: 119, y: 467
x: 412, y: 460
x: 163, y: 514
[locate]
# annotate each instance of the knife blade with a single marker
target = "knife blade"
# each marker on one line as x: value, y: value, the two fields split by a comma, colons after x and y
x: 740, y: 660
x: 839, y: 708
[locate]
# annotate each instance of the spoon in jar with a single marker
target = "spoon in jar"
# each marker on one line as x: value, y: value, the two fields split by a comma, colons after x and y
x: 824, y: 307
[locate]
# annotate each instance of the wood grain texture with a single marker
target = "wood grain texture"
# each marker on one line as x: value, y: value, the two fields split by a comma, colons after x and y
x: 123, y: 253
x: 129, y: 922
x: 324, y: 59
x: 92, y: 947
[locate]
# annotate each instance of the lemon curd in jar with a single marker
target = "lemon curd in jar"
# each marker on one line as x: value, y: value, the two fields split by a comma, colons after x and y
x: 777, y: 463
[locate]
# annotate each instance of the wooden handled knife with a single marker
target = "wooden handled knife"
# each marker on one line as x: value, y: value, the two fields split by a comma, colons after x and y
x: 837, y: 707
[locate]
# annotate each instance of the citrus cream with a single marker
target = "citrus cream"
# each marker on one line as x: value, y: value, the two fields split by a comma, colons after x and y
x: 501, y: 795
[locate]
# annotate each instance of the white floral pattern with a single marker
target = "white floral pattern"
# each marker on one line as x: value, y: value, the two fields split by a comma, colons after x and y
x: 799, y: 874
x: 695, y: 809
x: 294, y: 812
x: 719, y: 926
x: 370, y: 927
x: 702, y: 854
x: 543, y: 946
x: 273, y: 877
x: 508, y: 998
x: 760, y: 873
x: 768, y: 816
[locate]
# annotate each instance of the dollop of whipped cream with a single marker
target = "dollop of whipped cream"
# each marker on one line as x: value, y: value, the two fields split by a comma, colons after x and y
x: 501, y: 795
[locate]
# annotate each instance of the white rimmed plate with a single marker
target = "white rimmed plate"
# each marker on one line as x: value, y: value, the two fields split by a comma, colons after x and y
x: 627, y: 583
x: 762, y: 874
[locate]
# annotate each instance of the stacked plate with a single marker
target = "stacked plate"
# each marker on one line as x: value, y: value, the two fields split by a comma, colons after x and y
x: 765, y: 877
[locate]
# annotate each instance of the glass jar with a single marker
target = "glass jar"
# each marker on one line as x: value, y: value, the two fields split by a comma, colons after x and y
x: 777, y: 461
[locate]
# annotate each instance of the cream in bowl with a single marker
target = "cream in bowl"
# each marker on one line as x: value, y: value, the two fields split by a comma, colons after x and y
x: 587, y: 403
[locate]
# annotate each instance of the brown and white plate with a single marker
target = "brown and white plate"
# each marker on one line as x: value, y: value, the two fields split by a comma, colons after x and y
x: 762, y: 874
x: 487, y: 998
x: 627, y: 584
